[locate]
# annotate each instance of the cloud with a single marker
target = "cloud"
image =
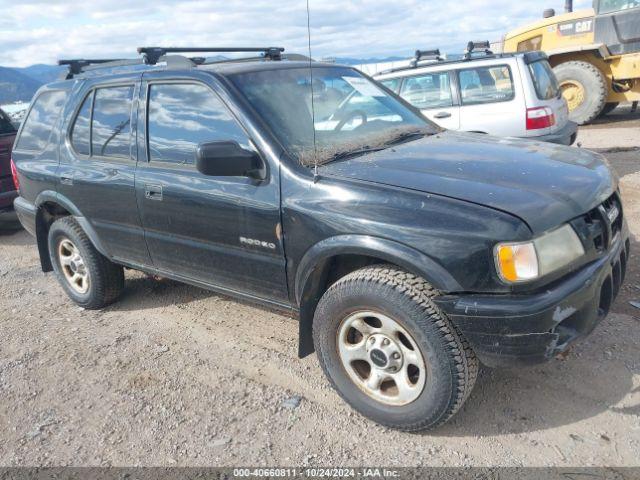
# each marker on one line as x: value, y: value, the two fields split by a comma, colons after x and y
x: 39, y: 31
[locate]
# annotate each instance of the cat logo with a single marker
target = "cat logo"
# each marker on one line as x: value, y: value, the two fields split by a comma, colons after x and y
x: 257, y: 243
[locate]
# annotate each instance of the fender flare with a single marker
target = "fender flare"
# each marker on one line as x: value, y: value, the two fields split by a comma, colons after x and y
x: 64, y: 202
x: 391, y: 251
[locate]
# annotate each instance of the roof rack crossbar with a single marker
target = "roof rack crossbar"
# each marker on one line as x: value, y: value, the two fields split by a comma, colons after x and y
x: 152, y: 54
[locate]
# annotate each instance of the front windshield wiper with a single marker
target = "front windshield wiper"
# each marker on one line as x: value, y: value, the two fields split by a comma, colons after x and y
x: 353, y: 153
x: 376, y: 146
x: 404, y: 136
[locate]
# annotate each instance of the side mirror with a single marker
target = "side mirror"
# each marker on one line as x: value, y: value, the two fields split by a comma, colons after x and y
x: 229, y: 159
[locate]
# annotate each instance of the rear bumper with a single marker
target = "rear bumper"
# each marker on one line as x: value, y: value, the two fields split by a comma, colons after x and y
x: 513, y: 330
x: 565, y: 136
x: 26, y: 214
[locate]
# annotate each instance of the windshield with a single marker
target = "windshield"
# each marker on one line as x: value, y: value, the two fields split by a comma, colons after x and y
x: 352, y: 113
x: 544, y: 80
x: 607, y: 6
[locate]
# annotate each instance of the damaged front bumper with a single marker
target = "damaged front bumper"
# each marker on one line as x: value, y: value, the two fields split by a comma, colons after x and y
x: 512, y: 330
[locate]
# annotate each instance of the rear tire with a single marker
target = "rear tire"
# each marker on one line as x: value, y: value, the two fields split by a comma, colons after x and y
x: 87, y: 276
x: 585, y: 89
x: 419, y: 334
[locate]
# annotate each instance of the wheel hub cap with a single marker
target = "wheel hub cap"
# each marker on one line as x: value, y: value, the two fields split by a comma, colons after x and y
x: 73, y: 266
x: 384, y: 353
x: 381, y: 358
x: 574, y: 94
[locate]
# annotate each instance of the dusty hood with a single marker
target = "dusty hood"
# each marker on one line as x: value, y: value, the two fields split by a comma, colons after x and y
x: 543, y: 184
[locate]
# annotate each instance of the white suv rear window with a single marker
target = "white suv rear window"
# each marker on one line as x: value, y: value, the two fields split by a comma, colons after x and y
x: 486, y: 85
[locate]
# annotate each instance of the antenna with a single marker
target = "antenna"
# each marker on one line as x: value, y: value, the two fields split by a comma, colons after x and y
x: 313, y: 110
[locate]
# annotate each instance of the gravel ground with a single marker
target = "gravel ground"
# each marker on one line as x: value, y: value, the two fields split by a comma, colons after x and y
x: 175, y: 375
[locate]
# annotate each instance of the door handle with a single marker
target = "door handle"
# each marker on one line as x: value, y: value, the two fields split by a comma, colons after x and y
x: 442, y: 115
x: 153, y: 192
x: 66, y: 180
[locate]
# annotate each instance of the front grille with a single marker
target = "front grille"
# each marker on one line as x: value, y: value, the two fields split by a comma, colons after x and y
x: 604, y: 223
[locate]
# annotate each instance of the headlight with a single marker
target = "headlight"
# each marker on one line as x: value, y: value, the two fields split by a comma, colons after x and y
x: 519, y: 262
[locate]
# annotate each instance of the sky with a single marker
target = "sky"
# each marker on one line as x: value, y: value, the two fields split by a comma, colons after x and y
x: 42, y: 31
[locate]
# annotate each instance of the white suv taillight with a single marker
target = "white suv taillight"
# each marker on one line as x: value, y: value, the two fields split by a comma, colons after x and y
x: 540, y: 117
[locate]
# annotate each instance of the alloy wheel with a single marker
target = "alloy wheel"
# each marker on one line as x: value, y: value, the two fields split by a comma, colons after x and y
x: 381, y: 358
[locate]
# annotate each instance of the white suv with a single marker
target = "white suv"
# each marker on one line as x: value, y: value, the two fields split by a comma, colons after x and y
x: 508, y: 95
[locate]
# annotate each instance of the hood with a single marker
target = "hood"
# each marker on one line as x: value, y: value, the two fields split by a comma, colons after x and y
x: 543, y: 184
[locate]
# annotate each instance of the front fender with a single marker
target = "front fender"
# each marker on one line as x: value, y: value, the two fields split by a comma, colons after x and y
x: 382, y: 248
x: 308, y: 289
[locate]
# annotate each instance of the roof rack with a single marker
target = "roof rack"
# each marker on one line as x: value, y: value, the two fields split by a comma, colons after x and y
x: 152, y: 54
x: 472, y: 48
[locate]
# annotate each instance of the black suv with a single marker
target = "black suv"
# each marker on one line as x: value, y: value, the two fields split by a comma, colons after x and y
x: 409, y: 253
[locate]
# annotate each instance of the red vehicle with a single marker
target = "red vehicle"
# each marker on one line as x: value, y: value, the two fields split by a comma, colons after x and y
x: 7, y: 187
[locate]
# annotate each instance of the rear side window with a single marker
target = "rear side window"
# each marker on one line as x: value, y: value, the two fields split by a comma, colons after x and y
x: 544, y: 80
x: 181, y: 116
x: 391, y: 83
x: 111, y: 122
x: 431, y: 90
x: 486, y: 85
x: 39, y: 123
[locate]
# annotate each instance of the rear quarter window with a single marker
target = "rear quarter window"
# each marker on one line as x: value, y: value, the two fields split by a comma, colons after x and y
x: 544, y: 80
x: 40, y: 121
x: 481, y: 85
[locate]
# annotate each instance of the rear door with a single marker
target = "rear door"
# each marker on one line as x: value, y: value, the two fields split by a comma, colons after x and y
x: 491, y: 101
x: 221, y: 231
x: 435, y: 95
x: 98, y: 164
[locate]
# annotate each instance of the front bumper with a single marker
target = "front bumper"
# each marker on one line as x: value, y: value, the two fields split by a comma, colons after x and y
x: 512, y: 330
x: 565, y: 136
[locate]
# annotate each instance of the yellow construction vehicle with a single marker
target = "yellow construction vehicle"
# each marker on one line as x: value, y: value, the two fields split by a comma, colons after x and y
x: 595, y: 54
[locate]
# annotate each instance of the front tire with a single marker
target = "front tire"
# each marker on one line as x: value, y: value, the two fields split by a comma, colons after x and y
x: 88, y: 277
x: 390, y: 352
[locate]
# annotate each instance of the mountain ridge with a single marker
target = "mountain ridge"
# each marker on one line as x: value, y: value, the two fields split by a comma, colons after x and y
x: 19, y: 84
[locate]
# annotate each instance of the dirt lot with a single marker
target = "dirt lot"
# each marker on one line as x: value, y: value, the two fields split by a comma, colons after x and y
x: 175, y: 375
